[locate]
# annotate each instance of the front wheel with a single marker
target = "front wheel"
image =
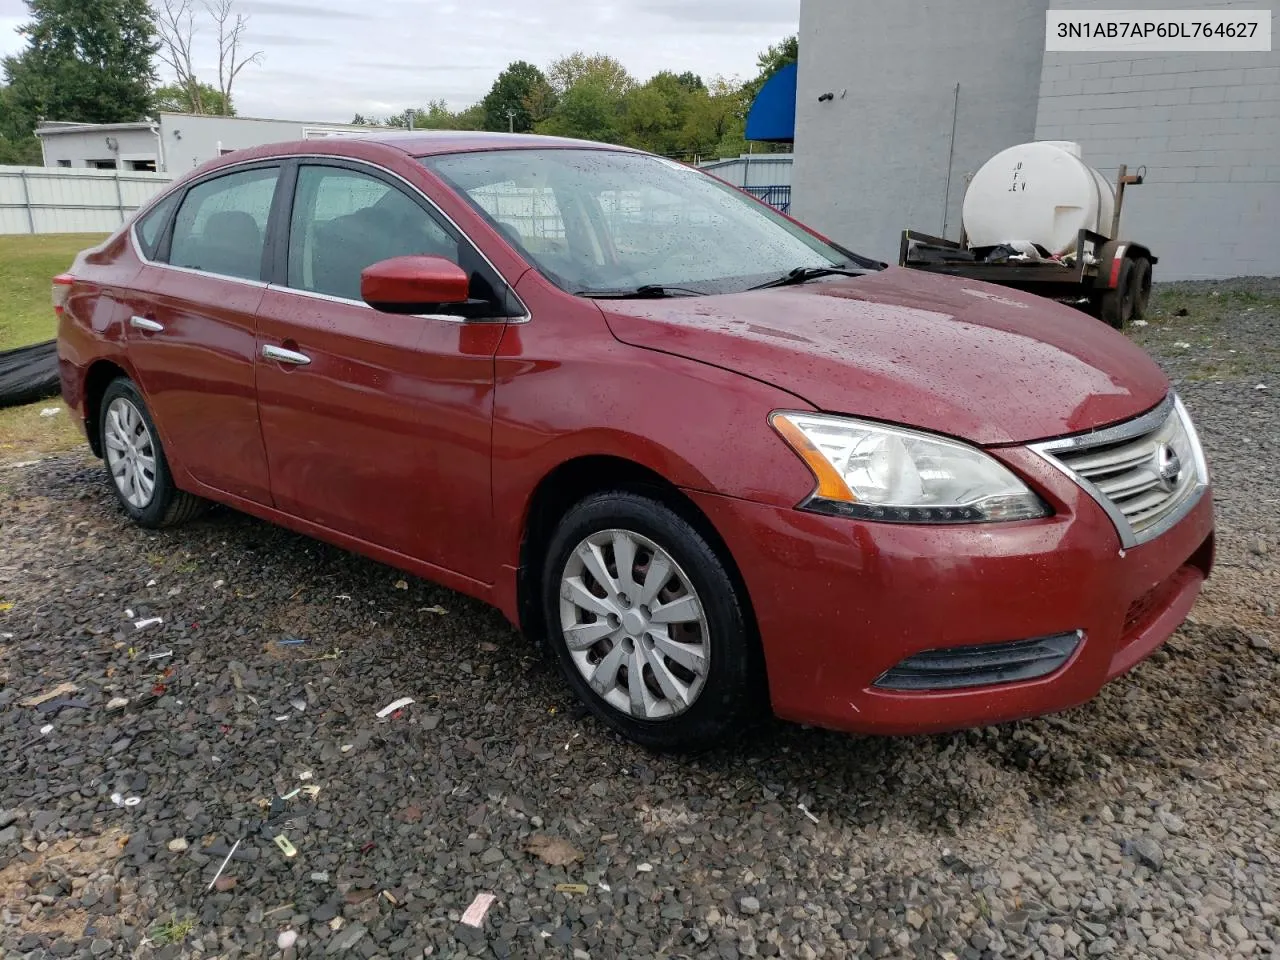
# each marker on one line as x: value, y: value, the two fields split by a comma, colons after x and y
x: 136, y: 461
x: 647, y: 625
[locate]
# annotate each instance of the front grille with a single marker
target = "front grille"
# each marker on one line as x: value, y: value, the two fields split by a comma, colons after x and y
x: 953, y: 668
x: 1146, y: 473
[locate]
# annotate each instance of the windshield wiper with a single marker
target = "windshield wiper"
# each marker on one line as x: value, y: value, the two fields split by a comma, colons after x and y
x: 805, y: 274
x: 650, y: 291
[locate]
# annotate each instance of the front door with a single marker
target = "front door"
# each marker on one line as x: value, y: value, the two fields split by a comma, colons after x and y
x: 192, y: 330
x: 377, y: 425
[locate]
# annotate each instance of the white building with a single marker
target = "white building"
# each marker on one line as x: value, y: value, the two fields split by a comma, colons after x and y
x: 175, y: 143
x: 899, y: 103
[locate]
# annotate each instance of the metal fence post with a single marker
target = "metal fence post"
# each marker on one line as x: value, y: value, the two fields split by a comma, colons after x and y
x: 26, y: 199
x: 119, y: 196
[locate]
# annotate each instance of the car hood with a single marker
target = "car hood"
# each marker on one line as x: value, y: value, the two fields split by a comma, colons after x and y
x: 969, y: 359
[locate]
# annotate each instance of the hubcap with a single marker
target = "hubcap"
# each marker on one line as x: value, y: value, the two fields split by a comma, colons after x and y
x: 131, y: 454
x: 634, y: 625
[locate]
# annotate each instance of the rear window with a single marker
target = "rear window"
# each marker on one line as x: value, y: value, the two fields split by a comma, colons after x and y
x: 151, y: 227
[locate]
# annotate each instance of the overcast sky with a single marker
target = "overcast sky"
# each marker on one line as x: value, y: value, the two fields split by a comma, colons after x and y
x: 330, y: 59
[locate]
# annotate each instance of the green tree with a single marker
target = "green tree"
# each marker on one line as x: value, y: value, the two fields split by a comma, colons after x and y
x: 769, y: 62
x: 716, y: 119
x: 85, y: 60
x: 177, y: 99
x: 588, y: 111
x: 518, y: 99
x: 655, y: 113
x: 598, y: 69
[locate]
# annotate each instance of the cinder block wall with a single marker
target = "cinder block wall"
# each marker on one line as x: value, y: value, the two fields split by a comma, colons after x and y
x: 1205, y: 125
x: 874, y: 159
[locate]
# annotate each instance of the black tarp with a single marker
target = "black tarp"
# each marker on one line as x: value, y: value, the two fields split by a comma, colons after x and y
x: 29, y: 373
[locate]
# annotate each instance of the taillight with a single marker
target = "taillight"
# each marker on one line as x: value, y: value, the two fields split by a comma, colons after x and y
x: 61, y: 291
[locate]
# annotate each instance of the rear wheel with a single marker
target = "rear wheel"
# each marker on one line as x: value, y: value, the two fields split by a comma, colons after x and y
x: 647, y: 626
x: 136, y: 461
x: 1140, y: 280
x: 1115, y: 307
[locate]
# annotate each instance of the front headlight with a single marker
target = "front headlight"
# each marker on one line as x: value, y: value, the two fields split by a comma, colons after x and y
x: 876, y: 472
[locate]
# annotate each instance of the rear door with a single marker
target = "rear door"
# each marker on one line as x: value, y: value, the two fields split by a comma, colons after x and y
x: 377, y: 425
x: 191, y: 334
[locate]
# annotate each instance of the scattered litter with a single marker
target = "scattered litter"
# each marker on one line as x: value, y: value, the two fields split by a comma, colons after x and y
x: 571, y: 888
x: 1139, y: 323
x: 128, y: 613
x: 1261, y: 386
x: 552, y: 851
x: 151, y: 583
x: 223, y: 884
x: 219, y: 583
x: 387, y: 895
x: 1182, y: 345
x: 298, y: 704
x: 160, y: 655
x: 6, y: 606
x: 321, y: 876
x: 337, y: 652
x: 118, y: 799
x: 311, y: 790
x: 571, y: 739
x: 230, y: 854
x: 336, y: 924
x: 47, y: 728
x: 343, y: 596
x: 61, y: 690
x: 437, y: 609
x: 287, y: 848
x: 282, y: 719
x: 275, y: 808
x: 604, y: 887
x: 474, y: 914
x: 178, y: 844
x: 291, y: 794
x: 402, y: 585
x: 132, y: 801
x: 346, y: 747
x: 50, y: 411
x: 644, y: 868
x: 395, y: 705
x: 287, y: 939
x: 289, y: 640
x: 305, y: 775
x: 148, y: 622
x: 807, y: 812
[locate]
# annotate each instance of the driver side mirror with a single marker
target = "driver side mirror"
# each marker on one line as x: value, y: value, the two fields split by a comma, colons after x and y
x: 414, y: 284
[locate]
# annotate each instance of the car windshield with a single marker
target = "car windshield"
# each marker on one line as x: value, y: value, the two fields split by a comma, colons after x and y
x: 602, y: 221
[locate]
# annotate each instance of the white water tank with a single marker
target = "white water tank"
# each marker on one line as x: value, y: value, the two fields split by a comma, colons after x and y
x: 1039, y: 192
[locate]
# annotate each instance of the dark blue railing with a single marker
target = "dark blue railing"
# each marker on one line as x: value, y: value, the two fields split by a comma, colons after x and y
x: 778, y: 197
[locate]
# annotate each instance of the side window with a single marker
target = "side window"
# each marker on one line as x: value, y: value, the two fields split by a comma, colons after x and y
x: 151, y: 227
x: 344, y: 220
x: 222, y: 224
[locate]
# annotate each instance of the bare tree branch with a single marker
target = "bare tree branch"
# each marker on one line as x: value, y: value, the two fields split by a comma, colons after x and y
x: 231, y: 32
x: 176, y: 25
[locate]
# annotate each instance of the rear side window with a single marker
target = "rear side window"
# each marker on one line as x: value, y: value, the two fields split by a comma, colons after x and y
x: 151, y: 227
x: 344, y: 221
x: 221, y: 226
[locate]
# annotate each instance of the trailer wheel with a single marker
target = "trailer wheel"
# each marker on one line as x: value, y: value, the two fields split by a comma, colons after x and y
x: 1115, y: 307
x: 1140, y: 282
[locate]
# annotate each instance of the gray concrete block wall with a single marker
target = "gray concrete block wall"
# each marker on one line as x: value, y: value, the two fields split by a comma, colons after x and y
x: 1205, y: 125
x: 874, y: 159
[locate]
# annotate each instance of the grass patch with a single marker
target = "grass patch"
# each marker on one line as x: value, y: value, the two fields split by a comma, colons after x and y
x: 25, y: 435
x: 172, y: 930
x: 27, y: 264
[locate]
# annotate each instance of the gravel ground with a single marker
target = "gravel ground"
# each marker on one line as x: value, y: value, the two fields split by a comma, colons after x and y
x: 1146, y: 823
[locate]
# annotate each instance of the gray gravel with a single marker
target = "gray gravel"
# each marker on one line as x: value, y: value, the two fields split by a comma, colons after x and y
x: 1145, y: 824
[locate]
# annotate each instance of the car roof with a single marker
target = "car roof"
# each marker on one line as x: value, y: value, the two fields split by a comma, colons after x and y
x: 423, y: 143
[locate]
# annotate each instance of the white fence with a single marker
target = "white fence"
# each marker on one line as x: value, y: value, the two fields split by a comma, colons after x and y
x: 72, y: 200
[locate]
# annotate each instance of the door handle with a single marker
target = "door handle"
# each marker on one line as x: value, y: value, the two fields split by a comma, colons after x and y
x: 281, y: 355
x: 143, y: 323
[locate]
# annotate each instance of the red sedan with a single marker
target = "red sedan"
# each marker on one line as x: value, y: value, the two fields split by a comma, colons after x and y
x: 715, y: 462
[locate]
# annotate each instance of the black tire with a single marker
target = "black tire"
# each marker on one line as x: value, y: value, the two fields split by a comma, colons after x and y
x: 167, y: 506
x: 1140, y: 281
x: 733, y: 694
x: 1115, y: 307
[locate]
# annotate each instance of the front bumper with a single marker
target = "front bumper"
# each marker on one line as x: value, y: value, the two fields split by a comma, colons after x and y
x: 840, y: 602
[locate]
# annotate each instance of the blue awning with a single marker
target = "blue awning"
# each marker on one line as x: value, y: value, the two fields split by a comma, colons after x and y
x: 773, y: 114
